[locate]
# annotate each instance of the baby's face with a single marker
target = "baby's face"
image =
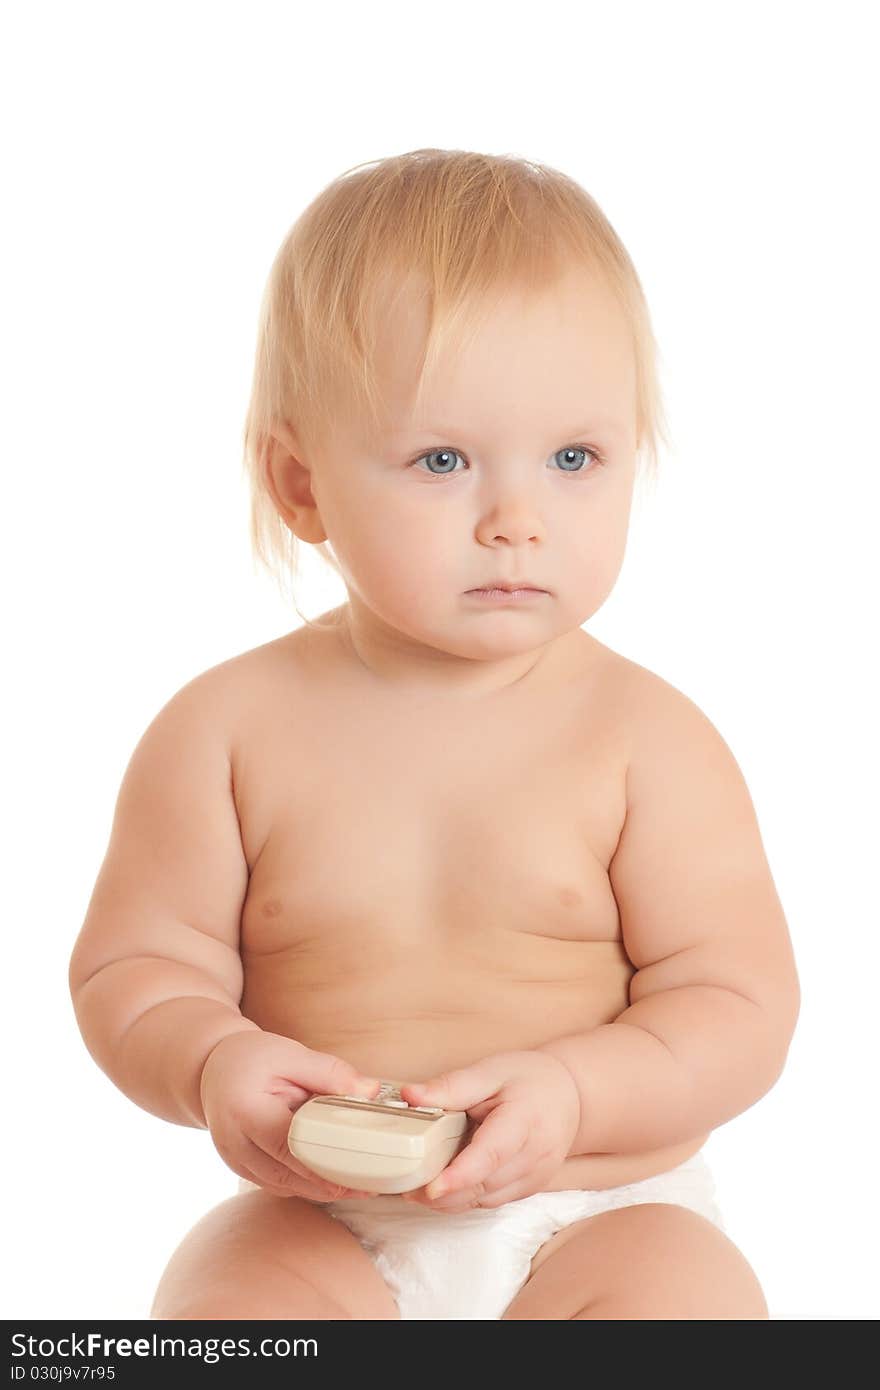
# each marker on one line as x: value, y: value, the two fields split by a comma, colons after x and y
x: 494, y: 481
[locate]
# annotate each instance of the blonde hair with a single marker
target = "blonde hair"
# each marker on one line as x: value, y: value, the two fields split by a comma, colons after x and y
x: 464, y: 225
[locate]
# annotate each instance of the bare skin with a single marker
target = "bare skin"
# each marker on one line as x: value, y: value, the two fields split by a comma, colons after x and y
x: 392, y: 917
x: 411, y: 840
x: 352, y: 942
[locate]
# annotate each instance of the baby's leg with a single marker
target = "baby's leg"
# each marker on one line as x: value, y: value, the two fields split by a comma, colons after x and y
x: 260, y: 1256
x: 650, y: 1261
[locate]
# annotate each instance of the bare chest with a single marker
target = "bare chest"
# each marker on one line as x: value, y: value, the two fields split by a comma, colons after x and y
x: 429, y: 886
x: 433, y: 838
x: 437, y: 874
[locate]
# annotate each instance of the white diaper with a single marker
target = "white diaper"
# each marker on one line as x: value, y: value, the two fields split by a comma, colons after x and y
x: 471, y: 1264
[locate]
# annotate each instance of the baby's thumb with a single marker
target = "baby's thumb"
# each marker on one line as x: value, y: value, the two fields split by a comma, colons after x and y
x: 329, y: 1075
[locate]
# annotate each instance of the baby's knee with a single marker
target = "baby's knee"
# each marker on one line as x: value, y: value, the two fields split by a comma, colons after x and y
x: 679, y: 1265
x: 296, y: 1299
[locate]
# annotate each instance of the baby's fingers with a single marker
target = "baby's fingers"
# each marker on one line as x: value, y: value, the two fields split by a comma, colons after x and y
x: 494, y: 1143
x: 289, y: 1179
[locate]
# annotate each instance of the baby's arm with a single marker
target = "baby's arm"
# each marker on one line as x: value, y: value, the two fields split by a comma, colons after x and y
x: 715, y: 997
x: 155, y: 974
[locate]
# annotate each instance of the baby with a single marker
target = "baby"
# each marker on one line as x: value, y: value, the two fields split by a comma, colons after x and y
x: 443, y: 836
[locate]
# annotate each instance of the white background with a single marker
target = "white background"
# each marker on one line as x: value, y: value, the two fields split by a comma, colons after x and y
x: 155, y: 156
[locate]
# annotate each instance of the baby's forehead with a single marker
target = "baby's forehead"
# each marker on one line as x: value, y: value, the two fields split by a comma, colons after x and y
x: 564, y: 352
x: 575, y: 293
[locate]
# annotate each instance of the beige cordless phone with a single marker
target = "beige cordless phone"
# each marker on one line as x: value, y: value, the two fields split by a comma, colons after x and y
x: 381, y: 1144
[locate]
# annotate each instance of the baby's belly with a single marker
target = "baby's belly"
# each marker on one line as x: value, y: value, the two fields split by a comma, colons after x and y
x: 421, y: 1013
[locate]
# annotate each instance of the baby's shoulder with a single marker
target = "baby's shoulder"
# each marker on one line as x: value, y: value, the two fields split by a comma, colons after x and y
x: 654, y: 711
x: 230, y: 694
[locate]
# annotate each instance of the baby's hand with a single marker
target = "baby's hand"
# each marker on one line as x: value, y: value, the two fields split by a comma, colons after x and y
x: 251, y: 1083
x: 529, y: 1108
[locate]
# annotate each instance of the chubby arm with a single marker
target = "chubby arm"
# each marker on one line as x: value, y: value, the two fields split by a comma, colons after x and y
x: 155, y: 975
x: 715, y: 997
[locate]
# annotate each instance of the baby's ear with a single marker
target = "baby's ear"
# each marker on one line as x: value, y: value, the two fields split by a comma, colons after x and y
x: 284, y: 433
x: 288, y: 482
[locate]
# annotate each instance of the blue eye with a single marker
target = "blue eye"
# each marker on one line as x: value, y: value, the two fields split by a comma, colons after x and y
x: 448, y: 456
x: 578, y: 449
x: 445, y: 455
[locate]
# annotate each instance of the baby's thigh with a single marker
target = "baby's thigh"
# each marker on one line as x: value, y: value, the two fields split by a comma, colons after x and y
x: 654, y: 1260
x: 260, y: 1256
